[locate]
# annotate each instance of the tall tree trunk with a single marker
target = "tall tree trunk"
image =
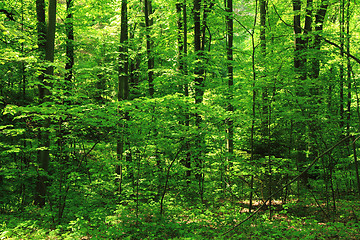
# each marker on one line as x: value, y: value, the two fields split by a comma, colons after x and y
x: 265, y: 102
x: 180, y: 28
x: 298, y: 63
x: 199, y: 68
x: 123, y: 87
x: 41, y: 34
x: 199, y: 91
x: 341, y: 66
x: 230, y: 75
x: 23, y: 69
x: 41, y: 40
x: 305, y: 71
x: 182, y: 68
x: 299, y: 66
x: 349, y: 68
x: 265, y: 127
x: 149, y: 43
x: 46, y: 40
x: 69, y: 29
x: 319, y: 23
x: 50, y: 37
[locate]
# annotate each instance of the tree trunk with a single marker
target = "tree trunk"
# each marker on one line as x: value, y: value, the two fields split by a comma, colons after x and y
x: 299, y: 66
x: 349, y: 68
x: 265, y: 128
x: 341, y: 66
x: 298, y: 63
x: 199, y: 91
x: 46, y: 47
x: 69, y: 29
x: 123, y: 86
x: 199, y: 68
x: 149, y: 43
x: 230, y: 75
x: 182, y: 68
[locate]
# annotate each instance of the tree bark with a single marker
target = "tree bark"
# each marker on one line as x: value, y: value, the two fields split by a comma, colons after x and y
x: 199, y: 91
x: 199, y: 70
x: 230, y: 75
x: 349, y: 67
x: 149, y: 43
x: 46, y: 40
x: 69, y: 29
x: 297, y: 31
x: 41, y: 40
x: 341, y: 66
x: 182, y: 68
x: 123, y: 87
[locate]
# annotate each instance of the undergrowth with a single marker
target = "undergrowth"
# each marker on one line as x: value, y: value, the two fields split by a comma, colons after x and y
x: 210, y: 222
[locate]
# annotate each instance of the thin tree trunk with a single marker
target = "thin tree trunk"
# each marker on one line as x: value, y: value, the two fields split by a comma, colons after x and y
x: 265, y: 128
x: 69, y: 29
x: 23, y: 69
x: 186, y: 92
x: 199, y: 89
x: 180, y: 29
x: 41, y: 41
x: 149, y: 43
x: 182, y: 68
x: 356, y: 167
x: 341, y: 70
x: 199, y: 69
x: 349, y: 68
x: 230, y: 75
x: 265, y: 102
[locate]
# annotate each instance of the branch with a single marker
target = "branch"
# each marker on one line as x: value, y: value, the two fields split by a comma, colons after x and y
x: 9, y: 15
x: 289, y: 183
x: 334, y: 44
x: 242, y: 25
x: 167, y: 178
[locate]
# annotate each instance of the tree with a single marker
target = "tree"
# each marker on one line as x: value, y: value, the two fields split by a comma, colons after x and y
x: 230, y: 75
x: 46, y: 40
x: 134, y: 113
x: 148, y: 24
x: 199, y: 90
x: 183, y: 71
x: 69, y: 29
x: 123, y: 86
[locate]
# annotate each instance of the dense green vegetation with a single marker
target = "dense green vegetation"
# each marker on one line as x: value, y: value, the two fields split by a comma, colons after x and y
x: 197, y: 119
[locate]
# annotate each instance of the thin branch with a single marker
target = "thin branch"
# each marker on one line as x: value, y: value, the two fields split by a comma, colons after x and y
x: 242, y: 25
x: 167, y: 178
x: 334, y: 44
x: 8, y: 14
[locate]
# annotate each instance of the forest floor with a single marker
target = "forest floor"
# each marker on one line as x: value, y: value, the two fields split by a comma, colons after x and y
x: 296, y: 220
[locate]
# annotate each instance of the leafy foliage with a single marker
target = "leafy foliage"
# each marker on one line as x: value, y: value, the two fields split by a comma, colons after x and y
x: 159, y: 166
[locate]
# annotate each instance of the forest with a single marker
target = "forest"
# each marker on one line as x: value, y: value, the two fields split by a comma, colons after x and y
x: 179, y: 119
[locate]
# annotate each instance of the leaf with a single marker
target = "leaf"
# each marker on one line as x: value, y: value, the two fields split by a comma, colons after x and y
x: 10, y: 109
